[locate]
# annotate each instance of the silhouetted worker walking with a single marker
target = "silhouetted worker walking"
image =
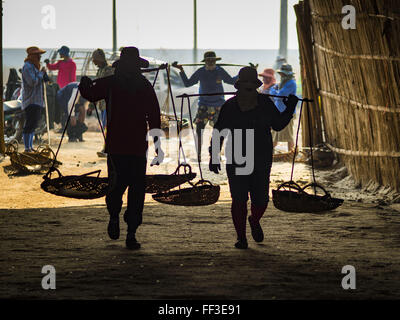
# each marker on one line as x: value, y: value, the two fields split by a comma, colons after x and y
x: 210, y: 77
x: 248, y: 110
x: 131, y: 105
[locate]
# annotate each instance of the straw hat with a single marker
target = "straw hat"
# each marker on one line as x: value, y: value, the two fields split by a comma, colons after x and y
x: 248, y: 77
x: 210, y: 55
x: 267, y: 73
x: 34, y: 50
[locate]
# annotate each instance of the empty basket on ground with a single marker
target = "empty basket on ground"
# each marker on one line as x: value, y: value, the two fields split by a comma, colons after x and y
x: 157, y: 183
x: 39, y: 160
x: 301, y: 201
x: 78, y: 187
x: 202, y: 193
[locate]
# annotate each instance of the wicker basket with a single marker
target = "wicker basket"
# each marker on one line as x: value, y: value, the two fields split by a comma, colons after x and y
x: 301, y: 201
x: 157, y: 183
x: 78, y: 187
x: 202, y: 193
x: 41, y: 159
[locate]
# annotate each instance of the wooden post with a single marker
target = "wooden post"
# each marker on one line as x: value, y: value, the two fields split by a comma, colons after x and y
x: 194, y: 31
x: 114, y: 27
x: 283, y: 31
x: 2, y: 144
x: 308, y: 75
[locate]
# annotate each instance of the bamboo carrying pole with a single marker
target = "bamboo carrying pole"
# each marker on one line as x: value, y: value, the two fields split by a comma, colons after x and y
x: 358, y: 74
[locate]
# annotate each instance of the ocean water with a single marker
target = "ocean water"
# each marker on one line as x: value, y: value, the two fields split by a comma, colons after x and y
x: 14, y: 58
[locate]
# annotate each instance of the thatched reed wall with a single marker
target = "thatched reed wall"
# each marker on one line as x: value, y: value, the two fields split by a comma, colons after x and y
x: 356, y: 74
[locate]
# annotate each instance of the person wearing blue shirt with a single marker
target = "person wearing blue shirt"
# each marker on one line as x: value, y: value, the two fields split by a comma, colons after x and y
x: 65, y: 99
x: 286, y: 87
x: 210, y: 77
x: 32, y: 94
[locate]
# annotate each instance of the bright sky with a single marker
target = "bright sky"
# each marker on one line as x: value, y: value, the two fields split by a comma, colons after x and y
x: 147, y: 24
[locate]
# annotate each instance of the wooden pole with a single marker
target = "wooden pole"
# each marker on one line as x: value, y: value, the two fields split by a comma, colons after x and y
x: 2, y: 144
x: 114, y: 27
x: 194, y: 31
x: 308, y: 75
x: 283, y: 32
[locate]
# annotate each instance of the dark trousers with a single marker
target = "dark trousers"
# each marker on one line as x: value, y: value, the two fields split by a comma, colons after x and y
x: 127, y: 171
x: 33, y: 113
x: 256, y: 183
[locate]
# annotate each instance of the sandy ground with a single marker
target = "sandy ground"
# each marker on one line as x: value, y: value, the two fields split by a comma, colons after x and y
x: 188, y: 252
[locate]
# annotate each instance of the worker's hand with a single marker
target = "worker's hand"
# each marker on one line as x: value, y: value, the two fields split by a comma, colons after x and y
x: 159, y: 158
x: 46, y: 61
x: 163, y: 66
x: 291, y: 100
x: 43, y: 69
x: 178, y: 66
x: 253, y: 66
x: 214, y: 167
x: 86, y: 82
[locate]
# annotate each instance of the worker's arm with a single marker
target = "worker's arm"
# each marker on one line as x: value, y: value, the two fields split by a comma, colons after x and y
x: 227, y: 78
x: 52, y: 66
x: 279, y: 120
x: 220, y: 132
x: 94, y: 90
x: 153, y: 117
x: 192, y: 80
x: 31, y: 75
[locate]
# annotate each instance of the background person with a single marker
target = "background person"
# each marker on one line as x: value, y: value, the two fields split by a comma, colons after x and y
x: 66, y: 67
x: 33, y: 77
x: 268, y: 76
x: 210, y: 77
x: 286, y: 87
x: 65, y: 98
x: 104, y: 70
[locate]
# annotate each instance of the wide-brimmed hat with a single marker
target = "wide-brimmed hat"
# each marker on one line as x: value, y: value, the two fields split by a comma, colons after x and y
x: 64, y: 50
x: 267, y: 73
x: 131, y: 55
x: 34, y: 50
x: 286, y: 69
x: 210, y: 55
x: 248, y: 77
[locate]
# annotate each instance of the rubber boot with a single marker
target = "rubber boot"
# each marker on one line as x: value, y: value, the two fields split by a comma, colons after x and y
x: 31, y: 135
x: 239, y: 215
x: 254, y: 220
x: 26, y: 139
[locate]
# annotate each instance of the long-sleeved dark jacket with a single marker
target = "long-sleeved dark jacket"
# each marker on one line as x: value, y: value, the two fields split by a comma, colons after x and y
x: 129, y: 112
x: 261, y: 119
